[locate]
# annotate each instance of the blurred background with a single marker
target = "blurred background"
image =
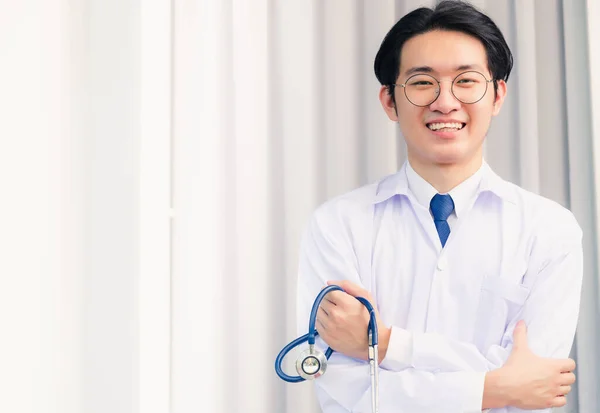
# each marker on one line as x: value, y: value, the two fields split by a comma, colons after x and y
x: 159, y: 160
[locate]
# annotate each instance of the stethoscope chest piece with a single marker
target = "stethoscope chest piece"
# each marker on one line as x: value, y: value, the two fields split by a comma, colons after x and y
x: 311, y: 363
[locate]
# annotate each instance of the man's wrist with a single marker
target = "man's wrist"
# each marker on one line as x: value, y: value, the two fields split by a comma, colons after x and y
x: 495, y: 390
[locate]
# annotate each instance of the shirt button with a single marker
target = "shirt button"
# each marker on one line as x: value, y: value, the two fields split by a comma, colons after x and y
x: 442, y: 263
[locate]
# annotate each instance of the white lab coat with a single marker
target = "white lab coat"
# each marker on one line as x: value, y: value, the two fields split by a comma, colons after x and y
x: 511, y: 255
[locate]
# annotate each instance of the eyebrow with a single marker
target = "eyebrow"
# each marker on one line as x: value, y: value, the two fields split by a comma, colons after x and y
x: 427, y: 69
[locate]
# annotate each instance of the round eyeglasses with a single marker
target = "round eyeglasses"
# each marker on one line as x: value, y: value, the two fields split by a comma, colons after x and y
x: 422, y: 90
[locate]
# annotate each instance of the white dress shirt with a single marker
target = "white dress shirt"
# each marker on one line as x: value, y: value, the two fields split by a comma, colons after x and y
x: 511, y: 255
x: 462, y: 194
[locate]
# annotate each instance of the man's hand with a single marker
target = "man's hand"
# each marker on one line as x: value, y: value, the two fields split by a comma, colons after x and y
x: 527, y: 381
x: 342, y: 321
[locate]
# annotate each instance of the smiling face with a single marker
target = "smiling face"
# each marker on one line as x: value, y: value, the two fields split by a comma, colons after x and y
x: 447, y: 131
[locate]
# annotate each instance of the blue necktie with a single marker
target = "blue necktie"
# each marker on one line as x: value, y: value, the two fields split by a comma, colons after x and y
x: 441, y: 208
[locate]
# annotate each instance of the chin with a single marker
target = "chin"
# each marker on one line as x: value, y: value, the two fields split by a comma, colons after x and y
x: 452, y: 153
x: 447, y: 152
x: 450, y: 157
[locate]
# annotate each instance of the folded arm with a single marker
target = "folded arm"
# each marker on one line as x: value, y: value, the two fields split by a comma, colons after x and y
x: 345, y: 387
x: 422, y: 369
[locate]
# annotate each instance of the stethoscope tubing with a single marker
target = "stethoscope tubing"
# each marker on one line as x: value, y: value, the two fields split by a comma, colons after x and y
x: 310, y: 337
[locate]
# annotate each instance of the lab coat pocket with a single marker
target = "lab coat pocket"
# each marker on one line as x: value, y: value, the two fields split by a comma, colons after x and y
x: 501, y: 299
x: 505, y: 289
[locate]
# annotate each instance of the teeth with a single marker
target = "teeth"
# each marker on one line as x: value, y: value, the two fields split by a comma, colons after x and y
x: 438, y: 126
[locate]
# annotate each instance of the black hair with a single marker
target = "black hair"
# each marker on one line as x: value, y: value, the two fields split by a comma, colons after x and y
x: 448, y: 15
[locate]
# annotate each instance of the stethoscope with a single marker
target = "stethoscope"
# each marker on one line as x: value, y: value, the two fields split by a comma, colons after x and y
x: 312, y: 363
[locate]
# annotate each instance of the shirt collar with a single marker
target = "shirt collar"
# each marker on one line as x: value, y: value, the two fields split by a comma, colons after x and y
x: 490, y: 182
x: 484, y: 180
x: 420, y: 188
x: 462, y: 194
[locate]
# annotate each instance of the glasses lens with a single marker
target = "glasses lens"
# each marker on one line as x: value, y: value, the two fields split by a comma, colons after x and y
x: 421, y: 90
x: 469, y: 87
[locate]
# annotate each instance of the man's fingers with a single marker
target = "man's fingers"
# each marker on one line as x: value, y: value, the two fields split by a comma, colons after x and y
x: 565, y: 365
x: 558, y: 401
x: 330, y: 295
x: 564, y: 390
x: 336, y: 297
x: 353, y: 289
x: 326, y: 306
x: 322, y: 320
x: 520, y: 336
x: 567, y: 379
x: 341, y: 299
x: 568, y: 365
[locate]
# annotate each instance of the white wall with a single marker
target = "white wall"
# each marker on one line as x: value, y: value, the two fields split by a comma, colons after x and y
x: 69, y: 150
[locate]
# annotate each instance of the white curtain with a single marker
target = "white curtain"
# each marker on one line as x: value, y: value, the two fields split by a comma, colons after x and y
x: 283, y: 94
x: 69, y: 150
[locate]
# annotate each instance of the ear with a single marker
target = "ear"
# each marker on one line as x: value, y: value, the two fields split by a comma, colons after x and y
x: 388, y: 103
x: 500, y: 95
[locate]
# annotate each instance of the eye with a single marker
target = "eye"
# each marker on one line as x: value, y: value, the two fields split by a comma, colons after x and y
x: 421, y: 83
x: 469, y: 79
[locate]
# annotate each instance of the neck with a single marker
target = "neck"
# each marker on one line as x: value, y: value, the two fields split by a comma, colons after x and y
x: 445, y: 177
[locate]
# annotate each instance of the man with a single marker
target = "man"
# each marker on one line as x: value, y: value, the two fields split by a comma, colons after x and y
x: 476, y: 281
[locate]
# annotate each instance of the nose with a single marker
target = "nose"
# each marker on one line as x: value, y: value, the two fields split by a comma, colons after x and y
x: 446, y: 102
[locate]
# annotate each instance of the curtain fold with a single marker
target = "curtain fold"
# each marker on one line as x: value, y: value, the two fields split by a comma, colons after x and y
x: 583, y: 198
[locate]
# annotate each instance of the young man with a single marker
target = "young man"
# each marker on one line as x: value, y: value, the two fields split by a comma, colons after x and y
x: 476, y: 281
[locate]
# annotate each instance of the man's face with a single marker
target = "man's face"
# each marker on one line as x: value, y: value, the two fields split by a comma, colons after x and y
x: 446, y: 54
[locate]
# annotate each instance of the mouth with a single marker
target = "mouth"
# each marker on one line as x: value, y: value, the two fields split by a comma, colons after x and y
x: 445, y: 126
